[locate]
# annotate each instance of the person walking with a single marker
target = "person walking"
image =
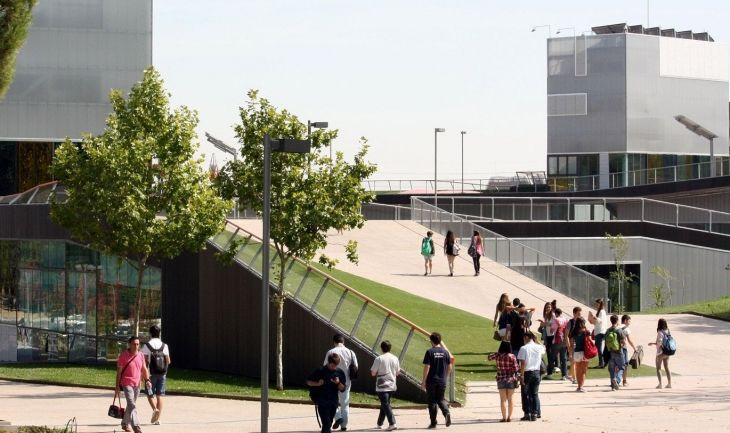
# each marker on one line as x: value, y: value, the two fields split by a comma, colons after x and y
x: 476, y: 251
x: 546, y: 329
x: 600, y: 324
x: 330, y: 381
x: 615, y: 340
x: 581, y: 362
x: 130, y: 369
x: 560, y: 344
x: 628, y: 341
x: 507, y: 369
x: 348, y: 365
x: 157, y: 358
x: 450, y: 251
x: 501, y: 315
x: 530, y: 357
x: 577, y: 311
x: 385, y: 370
x: 662, y: 331
x: 436, y: 369
x: 428, y: 251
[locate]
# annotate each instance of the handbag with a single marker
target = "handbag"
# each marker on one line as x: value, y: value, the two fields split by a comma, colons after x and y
x: 635, y: 360
x: 496, y: 336
x: 352, y: 369
x: 456, y: 248
x: 472, y: 251
x: 114, y: 410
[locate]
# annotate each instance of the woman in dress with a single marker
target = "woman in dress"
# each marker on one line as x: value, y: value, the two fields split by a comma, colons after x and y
x: 662, y: 358
x: 478, y: 251
x: 507, y: 368
x: 449, y: 251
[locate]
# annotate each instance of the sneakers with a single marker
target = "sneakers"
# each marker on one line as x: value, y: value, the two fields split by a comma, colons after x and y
x: 432, y: 425
x: 137, y: 429
x: 614, y: 385
x: 669, y: 385
x: 337, y: 423
x: 392, y: 427
x: 155, y: 417
x: 125, y: 427
x: 448, y: 419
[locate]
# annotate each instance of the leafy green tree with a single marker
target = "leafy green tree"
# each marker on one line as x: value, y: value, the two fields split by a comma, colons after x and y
x: 310, y: 193
x: 15, y: 17
x: 619, y: 247
x: 137, y: 190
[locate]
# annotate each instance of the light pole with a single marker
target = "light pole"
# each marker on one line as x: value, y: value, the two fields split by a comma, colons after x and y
x: 222, y: 146
x: 462, y: 161
x: 702, y: 132
x: 549, y: 27
x: 317, y: 125
x: 566, y: 28
x: 436, y: 165
x: 270, y: 145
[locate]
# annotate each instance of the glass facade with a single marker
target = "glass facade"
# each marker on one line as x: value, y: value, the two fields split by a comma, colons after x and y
x: 70, y: 303
x: 24, y: 164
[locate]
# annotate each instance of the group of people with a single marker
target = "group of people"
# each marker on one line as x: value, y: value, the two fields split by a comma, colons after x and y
x: 569, y: 346
x: 331, y: 383
x: 452, y: 248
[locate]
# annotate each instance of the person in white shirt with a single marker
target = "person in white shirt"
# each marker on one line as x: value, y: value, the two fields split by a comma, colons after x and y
x: 625, y: 323
x: 530, y: 357
x: 347, y: 358
x: 600, y: 325
x: 152, y: 350
x: 385, y: 370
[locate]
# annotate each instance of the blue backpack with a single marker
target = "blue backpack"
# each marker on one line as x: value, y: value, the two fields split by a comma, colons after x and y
x: 669, y: 344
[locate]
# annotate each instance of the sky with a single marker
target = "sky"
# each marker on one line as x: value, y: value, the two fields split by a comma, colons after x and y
x: 394, y: 70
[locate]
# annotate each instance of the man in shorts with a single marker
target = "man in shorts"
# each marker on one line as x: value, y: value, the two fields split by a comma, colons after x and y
x: 428, y: 251
x: 157, y: 357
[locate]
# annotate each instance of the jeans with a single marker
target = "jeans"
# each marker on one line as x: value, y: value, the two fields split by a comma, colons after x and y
x: 385, y: 410
x: 616, y: 366
x: 560, y: 353
x: 344, y: 410
x: 599, y: 346
x: 436, y: 400
x: 550, y: 355
x: 326, y: 411
x: 530, y: 399
x: 475, y: 259
x: 130, y: 412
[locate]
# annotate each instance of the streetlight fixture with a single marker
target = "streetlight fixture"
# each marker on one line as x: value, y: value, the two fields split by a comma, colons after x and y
x: 317, y: 125
x: 566, y: 28
x: 435, y: 166
x: 218, y: 144
x: 702, y: 132
x: 462, y: 161
x: 549, y: 27
x: 284, y: 145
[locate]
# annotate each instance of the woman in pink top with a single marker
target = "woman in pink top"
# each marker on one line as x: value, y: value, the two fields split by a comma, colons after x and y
x: 476, y: 250
x: 130, y: 369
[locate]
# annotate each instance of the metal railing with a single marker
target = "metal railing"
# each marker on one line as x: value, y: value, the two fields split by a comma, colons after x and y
x: 397, y: 185
x: 554, y: 273
x: 585, y: 209
x: 365, y: 321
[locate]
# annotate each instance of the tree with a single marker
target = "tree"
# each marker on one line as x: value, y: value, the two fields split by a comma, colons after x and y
x: 620, y: 248
x: 310, y: 193
x: 658, y: 292
x: 15, y: 17
x: 136, y: 190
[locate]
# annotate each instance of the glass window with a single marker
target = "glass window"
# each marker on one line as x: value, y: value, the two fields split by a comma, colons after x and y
x: 581, y: 57
x: 562, y: 165
x: 569, y: 104
x: 572, y: 165
x: 7, y: 168
x: 552, y: 165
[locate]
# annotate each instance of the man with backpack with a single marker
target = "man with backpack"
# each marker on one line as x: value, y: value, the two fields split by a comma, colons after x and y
x: 157, y: 357
x: 327, y: 382
x: 428, y: 251
x: 615, y: 340
x: 348, y: 366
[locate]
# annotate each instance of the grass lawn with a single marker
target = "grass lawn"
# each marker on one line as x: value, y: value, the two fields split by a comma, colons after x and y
x: 719, y: 308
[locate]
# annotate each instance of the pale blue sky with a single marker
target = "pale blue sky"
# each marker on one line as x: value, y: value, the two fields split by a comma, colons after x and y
x: 393, y: 70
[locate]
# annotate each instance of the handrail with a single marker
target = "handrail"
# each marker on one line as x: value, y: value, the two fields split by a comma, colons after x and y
x: 347, y: 288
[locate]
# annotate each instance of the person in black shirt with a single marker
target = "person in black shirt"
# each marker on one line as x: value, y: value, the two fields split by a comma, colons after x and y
x: 518, y: 322
x: 436, y: 368
x: 330, y: 381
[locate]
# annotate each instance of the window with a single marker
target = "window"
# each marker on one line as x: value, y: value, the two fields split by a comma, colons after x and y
x: 569, y: 104
x: 572, y: 165
x: 581, y: 57
x: 552, y: 165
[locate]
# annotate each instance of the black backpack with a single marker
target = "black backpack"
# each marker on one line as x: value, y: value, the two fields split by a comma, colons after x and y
x: 158, y: 364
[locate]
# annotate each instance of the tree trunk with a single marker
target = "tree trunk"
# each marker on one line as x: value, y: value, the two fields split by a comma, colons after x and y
x: 141, y: 263
x: 279, y: 301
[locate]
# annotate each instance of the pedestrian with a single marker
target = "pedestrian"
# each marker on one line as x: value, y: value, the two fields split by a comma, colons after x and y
x: 517, y: 326
x: 628, y: 341
x: 436, y: 368
x: 476, y: 251
x: 615, y: 341
x: 560, y: 344
x: 348, y: 365
x: 428, y: 251
x: 157, y: 358
x: 329, y: 381
x: 581, y: 362
x: 577, y: 314
x: 600, y: 324
x: 130, y: 369
x: 546, y: 329
x: 530, y: 358
x: 507, y: 369
x: 385, y: 370
x: 662, y: 330
x: 450, y: 251
x: 501, y: 315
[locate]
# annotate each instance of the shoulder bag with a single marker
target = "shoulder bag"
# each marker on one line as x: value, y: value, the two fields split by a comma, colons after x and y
x: 114, y: 410
x: 352, y: 369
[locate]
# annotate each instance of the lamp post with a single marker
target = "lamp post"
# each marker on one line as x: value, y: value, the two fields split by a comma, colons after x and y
x: 549, y: 27
x: 462, y: 161
x: 270, y: 145
x: 702, y: 132
x: 435, y: 165
x: 222, y: 146
x: 317, y: 125
x: 566, y: 28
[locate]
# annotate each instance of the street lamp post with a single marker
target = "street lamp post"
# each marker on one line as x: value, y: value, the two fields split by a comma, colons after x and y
x: 317, y: 125
x: 435, y: 166
x: 462, y: 161
x: 270, y: 145
x: 549, y: 27
x: 702, y: 132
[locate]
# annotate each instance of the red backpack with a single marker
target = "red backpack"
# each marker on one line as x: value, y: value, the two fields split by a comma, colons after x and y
x: 589, y: 350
